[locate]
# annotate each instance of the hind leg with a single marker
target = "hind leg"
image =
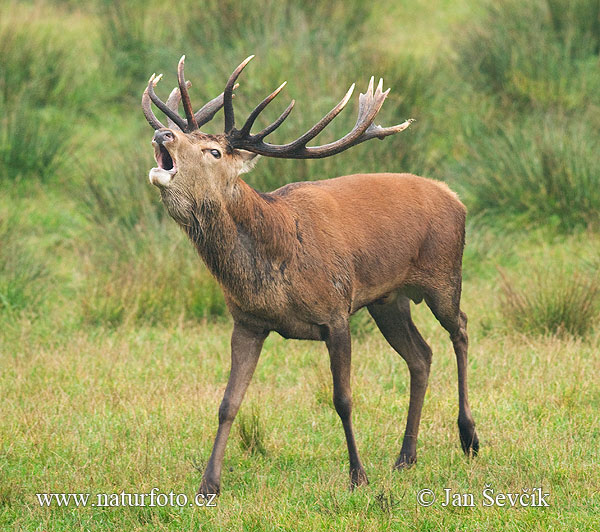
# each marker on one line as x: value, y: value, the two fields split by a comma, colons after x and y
x: 394, y: 321
x: 446, y: 309
x: 339, y: 346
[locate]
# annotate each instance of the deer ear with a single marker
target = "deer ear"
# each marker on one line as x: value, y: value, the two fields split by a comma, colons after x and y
x: 249, y: 159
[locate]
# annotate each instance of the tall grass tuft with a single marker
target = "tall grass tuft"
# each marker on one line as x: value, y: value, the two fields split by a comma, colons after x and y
x: 21, y: 273
x: 557, y: 301
x: 34, y: 144
x: 251, y: 431
x: 48, y: 79
x: 541, y: 54
x: 543, y: 168
x: 49, y: 58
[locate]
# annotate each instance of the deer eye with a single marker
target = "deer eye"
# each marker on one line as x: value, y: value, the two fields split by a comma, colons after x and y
x: 216, y: 154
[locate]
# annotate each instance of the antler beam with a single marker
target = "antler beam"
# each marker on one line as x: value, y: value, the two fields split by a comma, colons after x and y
x: 369, y: 105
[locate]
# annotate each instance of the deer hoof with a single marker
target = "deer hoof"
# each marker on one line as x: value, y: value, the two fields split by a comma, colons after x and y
x: 469, y: 441
x: 405, y: 461
x: 358, y: 477
x: 208, y: 488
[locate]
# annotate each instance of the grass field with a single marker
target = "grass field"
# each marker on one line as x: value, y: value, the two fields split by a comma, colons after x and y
x: 114, y: 340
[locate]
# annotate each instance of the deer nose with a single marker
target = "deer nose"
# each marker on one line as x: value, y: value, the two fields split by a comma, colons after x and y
x: 163, y: 135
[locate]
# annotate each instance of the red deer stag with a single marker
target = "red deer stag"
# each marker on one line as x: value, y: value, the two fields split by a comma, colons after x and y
x: 302, y: 259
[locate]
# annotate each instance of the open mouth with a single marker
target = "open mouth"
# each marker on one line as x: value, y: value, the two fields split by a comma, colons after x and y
x: 163, y: 174
x: 163, y: 158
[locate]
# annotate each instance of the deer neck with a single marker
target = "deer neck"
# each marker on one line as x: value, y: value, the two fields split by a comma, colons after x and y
x: 244, y: 237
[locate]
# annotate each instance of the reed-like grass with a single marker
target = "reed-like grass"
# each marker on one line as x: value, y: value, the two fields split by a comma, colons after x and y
x: 555, y: 300
x: 541, y: 54
x: 542, y: 169
x: 22, y: 273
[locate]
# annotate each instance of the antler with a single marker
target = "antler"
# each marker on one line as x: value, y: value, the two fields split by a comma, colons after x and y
x: 369, y: 105
x: 193, y: 120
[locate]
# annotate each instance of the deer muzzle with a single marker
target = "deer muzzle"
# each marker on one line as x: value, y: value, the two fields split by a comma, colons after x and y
x: 162, y: 174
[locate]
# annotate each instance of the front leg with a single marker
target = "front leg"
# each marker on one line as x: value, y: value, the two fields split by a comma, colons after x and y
x: 245, y: 350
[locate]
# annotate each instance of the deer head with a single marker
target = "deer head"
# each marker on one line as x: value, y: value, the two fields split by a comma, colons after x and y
x: 192, y: 162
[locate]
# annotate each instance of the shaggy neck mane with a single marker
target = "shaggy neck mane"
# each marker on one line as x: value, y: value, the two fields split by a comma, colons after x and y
x: 244, y: 238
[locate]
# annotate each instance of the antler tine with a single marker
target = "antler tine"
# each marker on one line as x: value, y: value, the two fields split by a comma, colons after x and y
x: 181, y: 123
x: 301, y: 142
x: 147, y: 106
x: 185, y: 97
x: 173, y: 102
x: 203, y: 115
x: 375, y: 131
x: 208, y: 110
x: 259, y: 109
x: 272, y: 127
x: 227, y: 95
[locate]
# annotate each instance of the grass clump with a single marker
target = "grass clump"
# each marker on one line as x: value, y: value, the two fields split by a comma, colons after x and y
x: 559, y: 302
x: 49, y: 58
x: 21, y: 273
x: 540, y: 54
x: 33, y: 143
x: 45, y: 88
x: 251, y: 431
x: 544, y: 169
x: 530, y: 152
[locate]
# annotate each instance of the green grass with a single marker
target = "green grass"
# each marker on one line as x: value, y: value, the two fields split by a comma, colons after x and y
x: 552, y: 301
x: 251, y: 431
x: 22, y: 273
x: 114, y: 339
x: 136, y: 409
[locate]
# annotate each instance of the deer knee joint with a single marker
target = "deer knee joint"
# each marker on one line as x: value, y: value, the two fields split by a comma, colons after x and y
x: 343, y: 404
x: 226, y: 412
